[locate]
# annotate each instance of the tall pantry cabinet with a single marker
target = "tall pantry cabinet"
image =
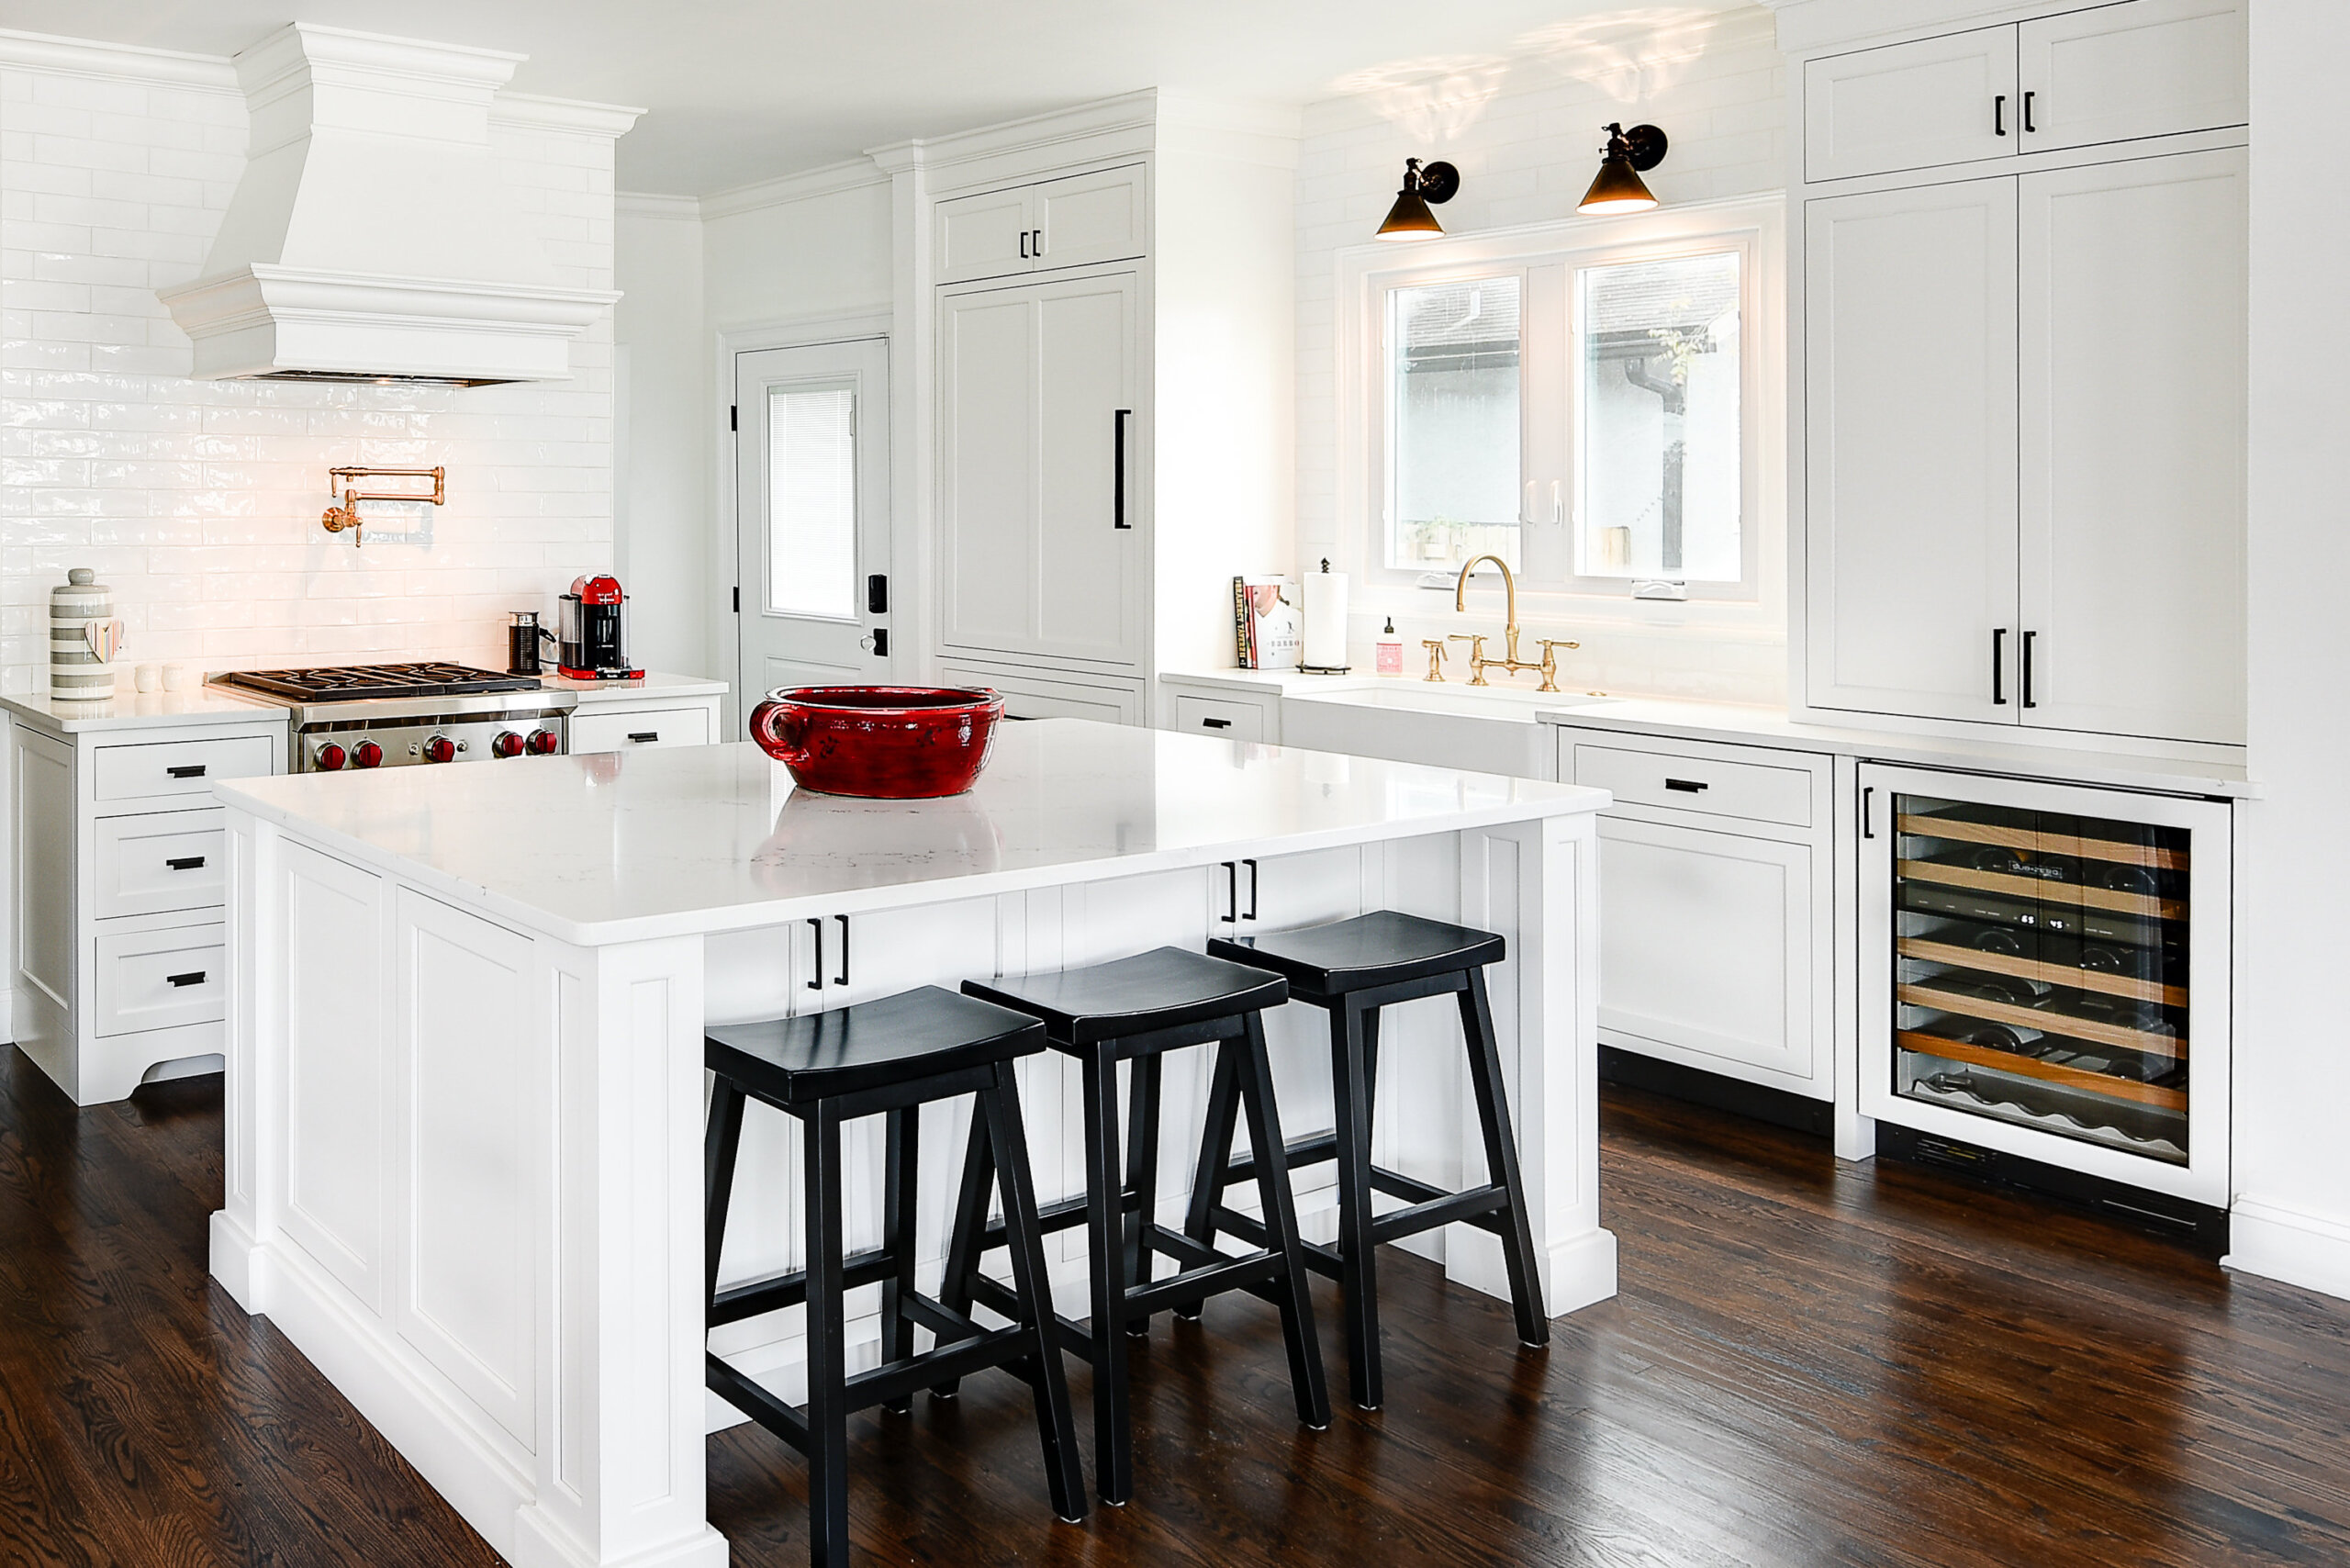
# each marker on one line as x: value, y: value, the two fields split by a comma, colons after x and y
x: 1107, y: 298
x: 2024, y: 374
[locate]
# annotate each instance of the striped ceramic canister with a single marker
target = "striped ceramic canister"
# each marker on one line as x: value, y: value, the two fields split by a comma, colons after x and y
x: 77, y: 672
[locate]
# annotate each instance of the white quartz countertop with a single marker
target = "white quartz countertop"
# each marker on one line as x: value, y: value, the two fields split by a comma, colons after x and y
x: 698, y: 839
x: 220, y: 705
x: 654, y: 684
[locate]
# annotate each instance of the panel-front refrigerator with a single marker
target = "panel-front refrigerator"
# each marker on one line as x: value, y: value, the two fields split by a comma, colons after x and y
x: 2045, y: 973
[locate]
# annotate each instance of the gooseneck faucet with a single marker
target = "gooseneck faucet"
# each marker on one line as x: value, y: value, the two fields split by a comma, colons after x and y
x: 1478, y: 663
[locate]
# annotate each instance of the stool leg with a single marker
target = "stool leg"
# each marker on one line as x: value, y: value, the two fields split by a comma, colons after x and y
x: 962, y: 1248
x: 1215, y: 1155
x: 1501, y: 1160
x: 721, y: 1141
x: 1113, y: 1433
x: 1357, y: 1252
x: 999, y: 1110
x: 1281, y: 1218
x: 902, y: 1146
x: 827, y: 1331
x: 1142, y: 1176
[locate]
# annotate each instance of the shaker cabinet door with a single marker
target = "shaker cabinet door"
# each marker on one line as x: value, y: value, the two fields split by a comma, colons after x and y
x: 2134, y: 390
x: 1912, y: 105
x: 1093, y: 486
x: 1085, y: 219
x: 987, y: 235
x: 2148, y: 68
x: 987, y: 474
x: 1910, y: 451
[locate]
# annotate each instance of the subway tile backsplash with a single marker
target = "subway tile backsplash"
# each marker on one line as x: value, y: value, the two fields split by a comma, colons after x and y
x: 198, y: 502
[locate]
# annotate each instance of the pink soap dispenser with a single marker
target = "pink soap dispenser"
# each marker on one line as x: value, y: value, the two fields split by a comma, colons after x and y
x: 1388, y: 651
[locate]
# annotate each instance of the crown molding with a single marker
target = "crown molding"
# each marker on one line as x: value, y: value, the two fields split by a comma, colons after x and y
x: 117, y: 61
x: 1821, y: 27
x: 652, y: 203
x: 527, y: 111
x: 833, y: 178
x: 1127, y: 111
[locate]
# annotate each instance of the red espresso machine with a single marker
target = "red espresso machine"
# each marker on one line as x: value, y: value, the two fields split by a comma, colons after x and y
x: 592, y: 641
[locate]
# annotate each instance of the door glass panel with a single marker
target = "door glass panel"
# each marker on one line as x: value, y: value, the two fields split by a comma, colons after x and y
x: 2040, y: 971
x: 811, y: 501
x: 1662, y: 474
x: 1453, y: 431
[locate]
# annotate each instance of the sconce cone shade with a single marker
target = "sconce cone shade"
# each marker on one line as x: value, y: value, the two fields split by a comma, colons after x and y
x: 1410, y: 219
x: 1618, y: 187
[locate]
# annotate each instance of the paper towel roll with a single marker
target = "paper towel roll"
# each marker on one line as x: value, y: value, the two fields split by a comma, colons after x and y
x: 1325, y: 620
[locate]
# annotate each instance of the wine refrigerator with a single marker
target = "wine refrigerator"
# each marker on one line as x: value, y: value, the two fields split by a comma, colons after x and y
x: 2045, y: 973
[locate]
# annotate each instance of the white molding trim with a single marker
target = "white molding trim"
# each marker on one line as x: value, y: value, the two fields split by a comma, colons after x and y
x: 853, y: 174
x: 1829, y: 27
x: 528, y: 111
x: 117, y: 61
x: 1127, y: 111
x: 2278, y: 1243
x: 653, y: 204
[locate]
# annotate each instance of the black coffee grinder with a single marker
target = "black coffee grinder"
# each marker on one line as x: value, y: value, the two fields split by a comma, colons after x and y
x: 523, y: 636
x: 593, y: 641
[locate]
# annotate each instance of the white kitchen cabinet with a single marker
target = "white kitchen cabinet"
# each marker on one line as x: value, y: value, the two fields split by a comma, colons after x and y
x: 1033, y: 693
x: 635, y: 729
x: 1043, y: 479
x: 2106, y: 74
x: 1221, y: 718
x: 1910, y: 449
x: 985, y: 235
x: 1076, y: 220
x: 2132, y: 439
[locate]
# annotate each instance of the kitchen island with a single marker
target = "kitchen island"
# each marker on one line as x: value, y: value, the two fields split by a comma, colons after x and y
x: 464, y: 1082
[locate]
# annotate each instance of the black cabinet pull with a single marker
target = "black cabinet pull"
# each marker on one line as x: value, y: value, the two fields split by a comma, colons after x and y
x: 2028, y: 636
x: 1252, y: 889
x: 644, y: 738
x: 1687, y: 786
x: 1998, y: 667
x: 1999, y: 113
x: 186, y: 863
x: 842, y: 978
x: 2029, y: 130
x: 1231, y: 892
x: 191, y: 770
x: 1024, y: 244
x: 1118, y: 468
x: 1868, y: 829
x: 193, y: 977
x: 816, y: 981
x: 1216, y: 723
x: 1036, y: 243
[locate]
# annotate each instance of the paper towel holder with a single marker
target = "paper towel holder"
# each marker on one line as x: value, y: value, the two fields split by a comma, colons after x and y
x: 1319, y: 669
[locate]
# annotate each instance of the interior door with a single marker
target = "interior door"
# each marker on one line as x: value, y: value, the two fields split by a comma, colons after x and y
x: 812, y: 515
x: 1912, y: 105
x: 1093, y: 494
x: 2148, y: 68
x: 2134, y: 390
x: 1910, y: 459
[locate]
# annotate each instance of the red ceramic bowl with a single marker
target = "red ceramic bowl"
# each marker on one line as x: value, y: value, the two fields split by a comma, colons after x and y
x: 884, y: 742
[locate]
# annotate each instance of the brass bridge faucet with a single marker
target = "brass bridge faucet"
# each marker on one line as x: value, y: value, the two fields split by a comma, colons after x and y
x: 1511, y: 663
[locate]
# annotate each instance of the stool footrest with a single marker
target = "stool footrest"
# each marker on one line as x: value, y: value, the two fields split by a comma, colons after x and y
x: 1065, y: 1213
x: 900, y: 1379
x: 1473, y: 1207
x: 1311, y: 1150
x: 785, y: 1421
x: 778, y: 1291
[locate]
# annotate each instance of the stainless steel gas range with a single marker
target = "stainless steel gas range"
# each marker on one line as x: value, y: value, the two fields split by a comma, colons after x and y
x: 362, y: 716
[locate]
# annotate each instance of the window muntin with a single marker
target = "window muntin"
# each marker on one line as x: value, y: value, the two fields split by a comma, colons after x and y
x: 812, y: 500
x: 1455, y: 421
x: 1661, y: 467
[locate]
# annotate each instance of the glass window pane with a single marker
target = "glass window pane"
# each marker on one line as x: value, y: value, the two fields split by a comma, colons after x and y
x: 811, y: 501
x: 1453, y: 464
x: 1660, y: 466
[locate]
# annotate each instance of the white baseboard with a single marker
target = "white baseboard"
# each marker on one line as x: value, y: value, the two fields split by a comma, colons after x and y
x: 2278, y: 1243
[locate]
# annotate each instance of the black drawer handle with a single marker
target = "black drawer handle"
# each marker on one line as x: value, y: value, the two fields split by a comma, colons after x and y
x: 644, y: 738
x: 191, y: 770
x: 1687, y: 786
x: 1216, y: 723
x: 195, y: 977
x: 186, y: 863
x: 816, y: 977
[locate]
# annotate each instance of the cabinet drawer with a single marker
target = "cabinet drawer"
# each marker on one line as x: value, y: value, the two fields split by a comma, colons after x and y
x: 158, y: 863
x: 636, y: 731
x: 176, y: 767
x: 157, y: 980
x: 1210, y: 716
x: 1754, y: 791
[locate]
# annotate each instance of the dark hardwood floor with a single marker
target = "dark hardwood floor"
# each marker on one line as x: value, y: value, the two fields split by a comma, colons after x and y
x: 1809, y: 1365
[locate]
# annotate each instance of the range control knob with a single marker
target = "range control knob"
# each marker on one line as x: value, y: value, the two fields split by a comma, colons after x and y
x: 330, y: 758
x: 367, y: 754
x: 440, y: 748
x: 542, y: 743
x: 506, y: 743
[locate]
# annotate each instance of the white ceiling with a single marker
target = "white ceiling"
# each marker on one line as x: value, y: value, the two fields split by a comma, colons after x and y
x: 744, y: 90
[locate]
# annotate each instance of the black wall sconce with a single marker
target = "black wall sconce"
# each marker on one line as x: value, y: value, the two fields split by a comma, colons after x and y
x: 1627, y: 156
x: 1410, y: 219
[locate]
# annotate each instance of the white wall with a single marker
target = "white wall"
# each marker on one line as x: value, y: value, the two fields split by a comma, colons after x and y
x: 1525, y: 135
x: 662, y: 472
x: 808, y: 248
x: 198, y: 502
x: 2292, y: 1214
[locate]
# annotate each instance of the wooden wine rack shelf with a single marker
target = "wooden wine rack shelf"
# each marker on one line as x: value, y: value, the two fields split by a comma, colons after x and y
x: 2052, y: 974
x: 2104, y: 849
x: 2033, y: 887
x: 2048, y: 1071
x: 2032, y: 1018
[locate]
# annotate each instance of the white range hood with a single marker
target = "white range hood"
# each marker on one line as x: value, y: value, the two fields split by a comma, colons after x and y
x: 372, y: 237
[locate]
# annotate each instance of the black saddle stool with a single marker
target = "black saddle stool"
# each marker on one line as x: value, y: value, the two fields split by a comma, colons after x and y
x: 886, y: 1057
x: 1137, y: 1010
x: 1352, y: 970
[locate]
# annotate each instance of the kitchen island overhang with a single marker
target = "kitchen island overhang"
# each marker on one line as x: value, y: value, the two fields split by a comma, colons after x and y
x: 464, y: 1083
